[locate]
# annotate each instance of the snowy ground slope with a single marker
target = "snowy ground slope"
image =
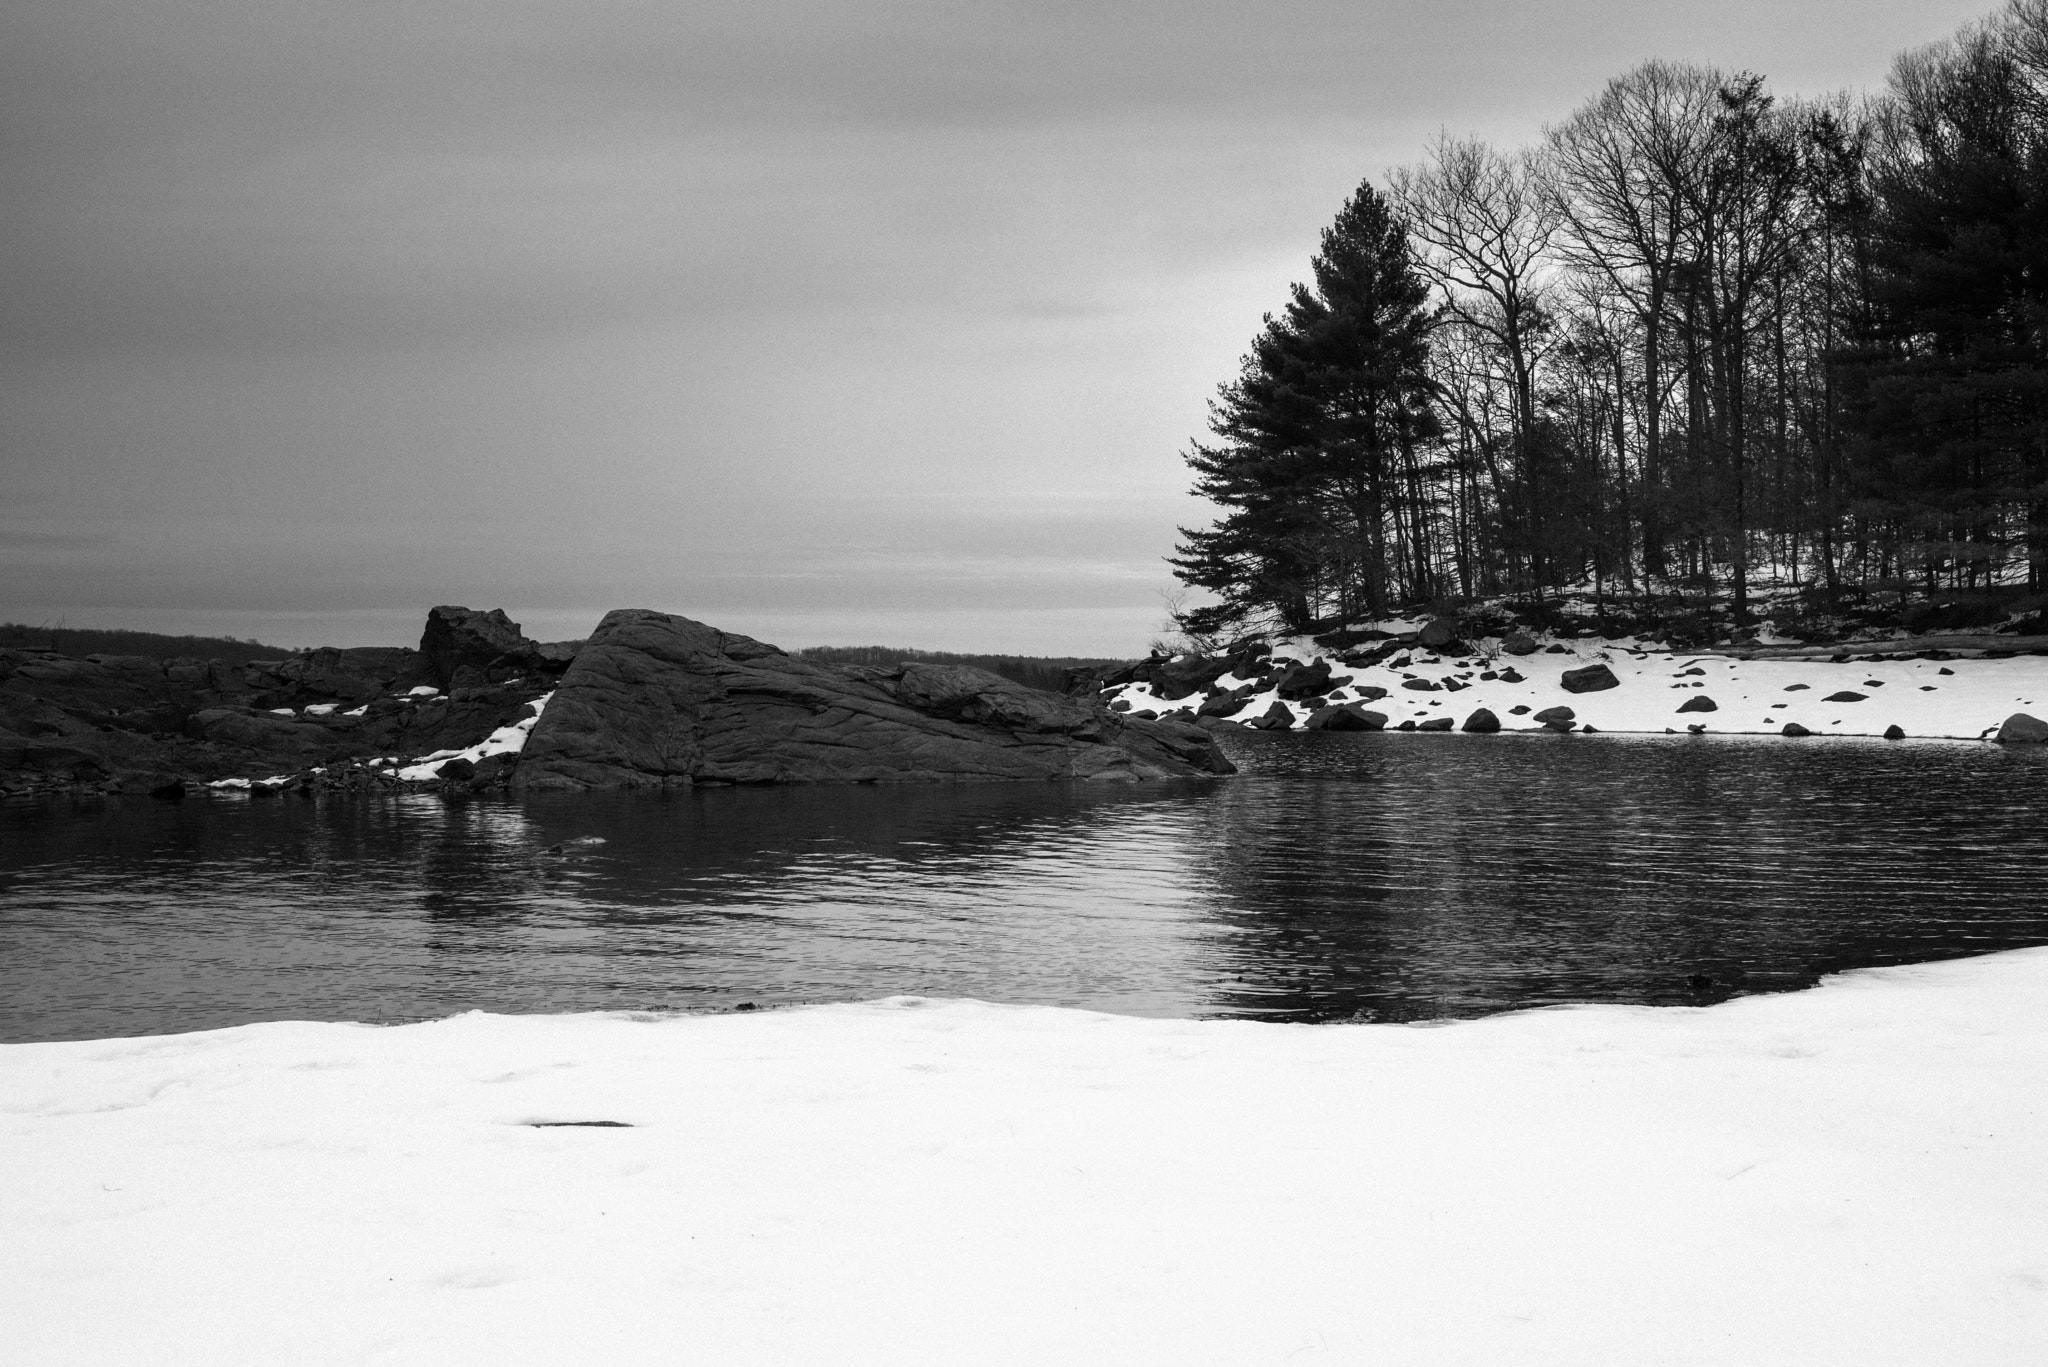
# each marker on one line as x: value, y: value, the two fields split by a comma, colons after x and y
x: 1856, y: 1174
x: 1956, y: 698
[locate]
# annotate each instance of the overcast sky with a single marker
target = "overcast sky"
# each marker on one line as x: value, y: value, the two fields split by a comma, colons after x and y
x: 826, y: 322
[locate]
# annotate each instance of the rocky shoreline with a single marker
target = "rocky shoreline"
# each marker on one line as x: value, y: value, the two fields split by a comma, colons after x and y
x: 655, y: 700
x: 1426, y: 676
x: 651, y: 700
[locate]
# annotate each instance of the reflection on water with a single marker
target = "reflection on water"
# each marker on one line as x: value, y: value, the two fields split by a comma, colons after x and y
x: 1340, y: 876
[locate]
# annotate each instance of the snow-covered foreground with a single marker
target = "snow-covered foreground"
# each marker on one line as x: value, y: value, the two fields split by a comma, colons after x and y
x: 1856, y: 1174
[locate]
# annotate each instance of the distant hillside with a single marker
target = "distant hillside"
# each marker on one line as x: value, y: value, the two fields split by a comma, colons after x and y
x: 1033, y: 671
x: 87, y: 641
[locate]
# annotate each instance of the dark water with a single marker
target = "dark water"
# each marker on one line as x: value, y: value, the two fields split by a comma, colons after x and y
x: 1341, y: 876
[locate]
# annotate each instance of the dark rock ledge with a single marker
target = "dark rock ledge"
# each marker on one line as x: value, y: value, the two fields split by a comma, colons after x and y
x: 655, y: 700
x: 652, y: 700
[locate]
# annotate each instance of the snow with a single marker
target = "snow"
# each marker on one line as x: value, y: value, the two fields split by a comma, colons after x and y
x: 1954, y: 698
x: 1856, y: 1174
x: 506, y: 740
x: 282, y: 712
x: 321, y: 709
x: 422, y: 691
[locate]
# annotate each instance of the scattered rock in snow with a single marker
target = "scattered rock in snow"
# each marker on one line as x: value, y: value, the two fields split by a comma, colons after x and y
x: 1549, y: 716
x: 1223, y: 705
x: 1795, y: 730
x: 1481, y: 722
x: 1435, y: 724
x: 1420, y: 686
x: 1512, y: 675
x: 1797, y: 688
x: 1699, y: 703
x: 1590, y: 679
x: 1518, y: 643
x: 1278, y: 717
x: 1846, y: 695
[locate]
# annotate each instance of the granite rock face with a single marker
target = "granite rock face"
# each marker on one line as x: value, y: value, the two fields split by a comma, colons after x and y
x: 656, y: 700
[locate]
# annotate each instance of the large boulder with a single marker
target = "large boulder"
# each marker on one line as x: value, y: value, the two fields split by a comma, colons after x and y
x: 1482, y: 722
x: 1590, y: 679
x: 1440, y: 632
x: 1300, y: 681
x: 655, y: 700
x: 1187, y: 674
x: 2022, y: 729
x: 1345, y: 717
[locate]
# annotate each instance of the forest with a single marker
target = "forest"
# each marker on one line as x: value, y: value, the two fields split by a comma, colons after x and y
x: 1697, y: 344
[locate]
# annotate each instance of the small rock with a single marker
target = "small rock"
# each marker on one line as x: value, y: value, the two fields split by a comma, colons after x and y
x: 1797, y: 688
x: 1697, y: 728
x: 1518, y: 643
x: 1845, y: 696
x: 1406, y: 726
x: 1699, y: 703
x: 1591, y: 679
x: 1420, y: 686
x: 1894, y: 733
x: 1481, y: 722
x: 1553, y: 714
x: 1794, y: 730
x: 1436, y: 724
x: 1520, y: 709
x: 1555, y: 650
x: 1945, y: 670
x: 1512, y: 675
x: 1489, y: 676
x: 1371, y: 693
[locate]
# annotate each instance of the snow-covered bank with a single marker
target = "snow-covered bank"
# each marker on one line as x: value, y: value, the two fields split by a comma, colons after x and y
x: 1856, y: 1174
x: 1653, y: 691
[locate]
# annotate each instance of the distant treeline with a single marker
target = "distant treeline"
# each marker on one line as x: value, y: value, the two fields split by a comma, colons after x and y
x: 88, y: 641
x: 1033, y: 671
x: 1696, y: 338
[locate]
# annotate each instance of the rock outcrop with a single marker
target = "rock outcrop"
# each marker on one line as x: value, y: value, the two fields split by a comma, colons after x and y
x: 655, y: 700
x: 126, y: 724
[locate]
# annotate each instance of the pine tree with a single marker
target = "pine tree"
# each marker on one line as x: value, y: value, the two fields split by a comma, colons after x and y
x: 1322, y: 442
x: 1949, y: 394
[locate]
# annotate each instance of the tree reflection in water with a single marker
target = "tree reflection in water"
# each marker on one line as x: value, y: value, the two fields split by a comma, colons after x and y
x: 1340, y: 876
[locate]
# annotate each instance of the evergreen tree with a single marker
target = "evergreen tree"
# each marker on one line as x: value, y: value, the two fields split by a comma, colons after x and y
x: 1949, y: 391
x: 1324, y: 443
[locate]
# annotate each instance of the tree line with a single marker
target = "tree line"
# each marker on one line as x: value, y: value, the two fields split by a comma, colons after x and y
x: 1697, y: 340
